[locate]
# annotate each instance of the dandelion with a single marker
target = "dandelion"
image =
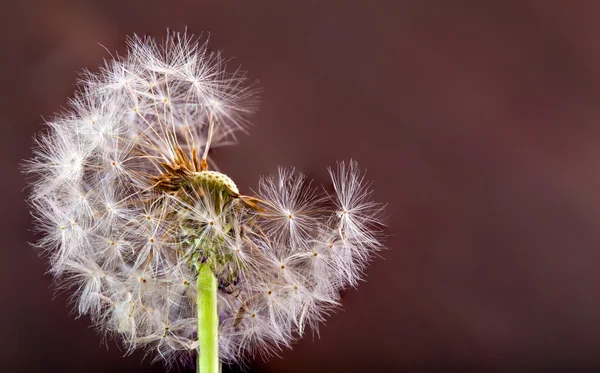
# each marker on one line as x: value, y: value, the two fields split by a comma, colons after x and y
x: 164, y: 253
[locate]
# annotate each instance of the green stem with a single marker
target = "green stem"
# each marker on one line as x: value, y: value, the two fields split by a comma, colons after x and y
x: 208, y: 321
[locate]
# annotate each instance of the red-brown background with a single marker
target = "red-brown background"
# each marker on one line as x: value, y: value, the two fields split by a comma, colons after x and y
x: 478, y: 121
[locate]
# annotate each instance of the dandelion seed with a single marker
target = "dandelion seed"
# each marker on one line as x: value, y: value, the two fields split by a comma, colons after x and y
x: 163, y: 252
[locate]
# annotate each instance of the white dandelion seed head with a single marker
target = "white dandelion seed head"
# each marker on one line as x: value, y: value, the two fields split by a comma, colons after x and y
x: 127, y: 210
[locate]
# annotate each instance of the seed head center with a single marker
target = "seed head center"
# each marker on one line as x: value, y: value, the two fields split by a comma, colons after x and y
x: 216, y: 180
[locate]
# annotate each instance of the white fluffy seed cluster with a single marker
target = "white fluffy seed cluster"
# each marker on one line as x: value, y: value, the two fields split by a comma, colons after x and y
x: 127, y: 247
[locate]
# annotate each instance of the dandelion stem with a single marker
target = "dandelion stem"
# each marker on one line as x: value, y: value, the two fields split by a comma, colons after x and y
x: 208, y: 322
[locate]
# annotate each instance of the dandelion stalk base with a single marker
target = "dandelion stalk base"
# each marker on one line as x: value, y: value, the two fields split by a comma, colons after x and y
x: 208, y: 322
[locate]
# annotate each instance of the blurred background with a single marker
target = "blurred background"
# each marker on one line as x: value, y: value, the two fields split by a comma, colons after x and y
x: 478, y: 121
